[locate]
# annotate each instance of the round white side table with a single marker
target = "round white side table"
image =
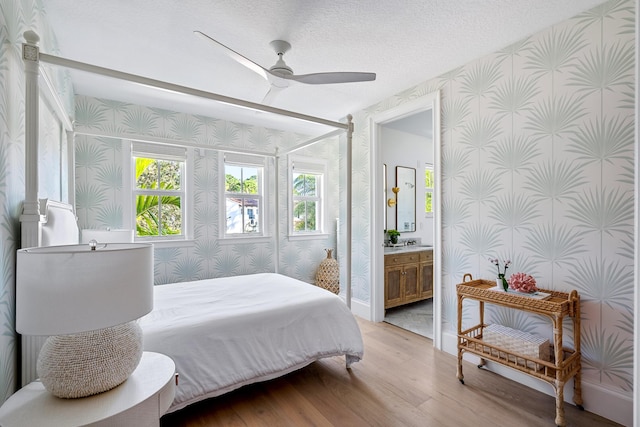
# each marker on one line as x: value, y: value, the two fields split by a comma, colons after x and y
x: 140, y: 401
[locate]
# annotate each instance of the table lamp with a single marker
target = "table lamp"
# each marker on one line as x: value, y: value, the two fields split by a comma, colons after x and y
x: 87, y: 299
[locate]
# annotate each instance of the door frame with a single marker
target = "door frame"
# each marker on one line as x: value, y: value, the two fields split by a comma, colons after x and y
x: 427, y: 102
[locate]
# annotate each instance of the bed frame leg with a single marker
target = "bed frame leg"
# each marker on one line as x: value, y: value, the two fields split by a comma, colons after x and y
x: 350, y: 360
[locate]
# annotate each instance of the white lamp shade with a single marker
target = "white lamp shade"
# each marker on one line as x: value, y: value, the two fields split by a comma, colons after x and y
x: 106, y: 236
x: 70, y: 289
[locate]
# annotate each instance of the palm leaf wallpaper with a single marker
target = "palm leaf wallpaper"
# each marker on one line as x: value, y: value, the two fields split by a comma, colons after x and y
x: 16, y: 17
x: 537, y: 161
x: 100, y: 192
x: 552, y: 118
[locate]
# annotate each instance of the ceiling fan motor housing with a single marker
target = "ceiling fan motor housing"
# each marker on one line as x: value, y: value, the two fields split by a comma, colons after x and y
x: 281, y: 47
x: 281, y: 68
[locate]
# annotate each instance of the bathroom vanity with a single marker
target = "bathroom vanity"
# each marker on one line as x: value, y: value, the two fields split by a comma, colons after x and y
x: 408, y: 275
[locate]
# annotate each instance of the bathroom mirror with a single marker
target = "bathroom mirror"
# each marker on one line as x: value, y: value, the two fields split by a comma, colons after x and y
x: 406, y: 203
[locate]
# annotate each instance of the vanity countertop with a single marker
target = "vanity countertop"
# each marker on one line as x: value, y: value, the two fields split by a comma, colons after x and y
x: 407, y: 248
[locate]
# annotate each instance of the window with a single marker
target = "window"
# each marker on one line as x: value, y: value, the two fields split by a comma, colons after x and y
x: 159, y: 190
x: 306, y: 190
x: 243, y: 193
x: 428, y: 189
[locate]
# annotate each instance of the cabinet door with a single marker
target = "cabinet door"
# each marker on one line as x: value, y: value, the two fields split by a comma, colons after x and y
x: 411, y: 282
x: 426, y: 279
x: 393, y: 286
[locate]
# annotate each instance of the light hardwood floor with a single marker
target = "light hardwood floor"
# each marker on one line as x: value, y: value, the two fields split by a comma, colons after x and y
x: 401, y: 381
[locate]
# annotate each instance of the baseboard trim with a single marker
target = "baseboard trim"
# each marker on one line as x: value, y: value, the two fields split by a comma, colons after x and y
x: 610, y: 404
x: 361, y: 309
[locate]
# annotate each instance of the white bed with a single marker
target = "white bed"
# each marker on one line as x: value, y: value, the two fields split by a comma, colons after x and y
x: 221, y: 333
x: 228, y: 332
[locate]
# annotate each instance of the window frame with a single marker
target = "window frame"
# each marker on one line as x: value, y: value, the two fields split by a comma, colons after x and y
x: 248, y: 161
x: 159, y: 151
x: 311, y: 166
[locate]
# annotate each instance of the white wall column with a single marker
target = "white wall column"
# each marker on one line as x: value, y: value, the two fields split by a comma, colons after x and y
x: 31, y: 220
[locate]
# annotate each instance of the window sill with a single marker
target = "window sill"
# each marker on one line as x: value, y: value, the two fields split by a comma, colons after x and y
x: 314, y: 236
x: 161, y: 244
x: 242, y: 239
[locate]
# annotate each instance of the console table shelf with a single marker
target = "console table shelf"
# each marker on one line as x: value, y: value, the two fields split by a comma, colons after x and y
x: 565, y: 362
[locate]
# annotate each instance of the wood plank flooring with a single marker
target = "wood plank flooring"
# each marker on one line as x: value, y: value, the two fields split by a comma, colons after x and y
x: 402, y: 381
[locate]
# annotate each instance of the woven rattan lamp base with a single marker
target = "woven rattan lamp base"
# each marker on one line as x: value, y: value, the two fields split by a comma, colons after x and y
x: 88, y: 363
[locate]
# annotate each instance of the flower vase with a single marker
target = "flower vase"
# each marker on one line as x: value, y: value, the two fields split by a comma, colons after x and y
x: 502, y: 282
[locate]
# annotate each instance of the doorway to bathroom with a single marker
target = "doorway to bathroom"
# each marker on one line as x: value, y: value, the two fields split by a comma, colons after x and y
x: 406, y: 288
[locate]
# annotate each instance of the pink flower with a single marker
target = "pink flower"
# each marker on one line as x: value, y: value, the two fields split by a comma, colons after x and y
x: 522, y: 282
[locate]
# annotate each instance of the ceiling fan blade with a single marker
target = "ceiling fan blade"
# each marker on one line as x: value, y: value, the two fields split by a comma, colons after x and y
x: 328, y: 78
x: 277, y: 85
x: 264, y: 73
x: 271, y: 94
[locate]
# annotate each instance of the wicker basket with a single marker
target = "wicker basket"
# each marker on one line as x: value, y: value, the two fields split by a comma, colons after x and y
x: 328, y: 274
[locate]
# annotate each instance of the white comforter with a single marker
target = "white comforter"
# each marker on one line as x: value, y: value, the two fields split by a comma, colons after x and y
x: 227, y: 332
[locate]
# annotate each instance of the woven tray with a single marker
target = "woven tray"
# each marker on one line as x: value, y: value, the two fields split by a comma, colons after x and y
x: 484, y: 290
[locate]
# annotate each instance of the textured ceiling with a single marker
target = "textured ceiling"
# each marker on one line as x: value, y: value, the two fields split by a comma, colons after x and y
x: 404, y: 41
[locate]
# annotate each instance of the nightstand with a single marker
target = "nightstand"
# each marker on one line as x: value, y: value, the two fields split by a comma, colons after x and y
x: 140, y: 401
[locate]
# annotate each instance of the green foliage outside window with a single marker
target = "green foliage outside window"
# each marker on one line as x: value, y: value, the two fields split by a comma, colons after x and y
x: 158, y: 214
x: 304, y: 211
x: 235, y: 185
x: 428, y: 185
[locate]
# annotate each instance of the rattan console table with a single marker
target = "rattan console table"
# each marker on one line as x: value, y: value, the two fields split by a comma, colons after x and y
x: 565, y: 363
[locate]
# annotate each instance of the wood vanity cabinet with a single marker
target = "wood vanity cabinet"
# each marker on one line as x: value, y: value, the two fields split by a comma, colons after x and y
x: 408, y: 277
x: 426, y: 274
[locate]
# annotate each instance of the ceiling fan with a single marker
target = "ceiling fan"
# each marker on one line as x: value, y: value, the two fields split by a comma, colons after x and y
x: 280, y: 75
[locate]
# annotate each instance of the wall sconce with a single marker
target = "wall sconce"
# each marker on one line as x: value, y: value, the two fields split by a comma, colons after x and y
x: 392, y: 202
